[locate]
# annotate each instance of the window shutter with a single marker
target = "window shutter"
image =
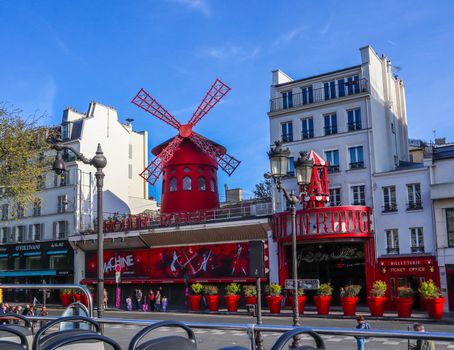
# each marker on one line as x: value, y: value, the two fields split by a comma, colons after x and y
x: 66, y: 228
x: 30, y: 233
x: 55, y: 230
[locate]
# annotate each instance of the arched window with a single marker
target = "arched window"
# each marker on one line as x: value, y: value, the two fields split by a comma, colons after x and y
x: 212, y: 185
x: 173, y: 184
x: 187, y: 170
x: 201, y: 182
x: 187, y: 183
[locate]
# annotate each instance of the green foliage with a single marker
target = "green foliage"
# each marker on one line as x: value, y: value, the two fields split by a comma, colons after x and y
x: 250, y: 290
x: 67, y: 291
x: 263, y: 189
x: 378, y: 289
x: 300, y: 292
x: 325, y: 289
x: 274, y: 290
x: 351, y: 290
x: 232, y: 289
x: 210, y: 289
x: 405, y: 292
x: 429, y: 289
x: 196, y: 288
x: 23, y: 145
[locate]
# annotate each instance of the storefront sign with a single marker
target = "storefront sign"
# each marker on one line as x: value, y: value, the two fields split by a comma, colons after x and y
x: 340, y: 253
x: 202, y: 261
x: 42, y: 247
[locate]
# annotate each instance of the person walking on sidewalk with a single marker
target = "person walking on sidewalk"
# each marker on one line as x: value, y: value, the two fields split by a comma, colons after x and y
x: 361, y: 324
x: 139, y: 295
x: 164, y: 302
x: 157, y: 300
x: 151, y: 299
x: 422, y: 344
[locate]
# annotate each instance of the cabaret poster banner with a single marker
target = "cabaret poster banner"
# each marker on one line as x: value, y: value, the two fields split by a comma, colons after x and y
x: 218, y: 260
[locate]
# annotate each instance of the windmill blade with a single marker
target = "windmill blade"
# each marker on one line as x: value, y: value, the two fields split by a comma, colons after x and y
x: 152, y: 172
x: 228, y: 163
x: 225, y: 161
x: 150, y: 105
x: 217, y: 91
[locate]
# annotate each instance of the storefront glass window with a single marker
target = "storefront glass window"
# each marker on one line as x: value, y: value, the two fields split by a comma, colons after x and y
x: 4, y: 264
x: 59, y: 262
x: 17, y: 263
x: 392, y: 283
x: 33, y: 263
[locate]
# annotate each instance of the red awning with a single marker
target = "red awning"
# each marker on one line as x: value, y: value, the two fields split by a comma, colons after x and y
x: 174, y: 281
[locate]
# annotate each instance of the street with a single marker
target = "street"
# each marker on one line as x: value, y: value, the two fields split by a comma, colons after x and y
x: 214, y: 339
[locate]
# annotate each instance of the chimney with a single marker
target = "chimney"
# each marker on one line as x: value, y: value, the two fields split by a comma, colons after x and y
x: 130, y: 120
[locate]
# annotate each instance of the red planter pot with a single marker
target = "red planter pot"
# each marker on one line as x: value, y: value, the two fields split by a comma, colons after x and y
x: 213, y: 302
x: 322, y: 303
x: 232, y: 302
x: 349, y: 305
x: 274, y: 303
x: 66, y: 299
x: 435, y: 307
x: 250, y: 299
x: 84, y: 298
x: 78, y: 297
x: 195, y: 302
x: 403, y: 306
x: 301, y: 302
x: 376, y: 305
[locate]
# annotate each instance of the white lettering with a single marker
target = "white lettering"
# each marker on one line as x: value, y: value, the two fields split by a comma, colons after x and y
x: 124, y: 262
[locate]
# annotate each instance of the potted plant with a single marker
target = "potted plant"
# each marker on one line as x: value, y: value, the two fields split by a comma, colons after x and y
x: 274, y: 298
x: 433, y: 298
x: 195, y: 298
x: 301, y: 300
x: 349, y: 298
x: 211, y: 294
x: 377, y: 297
x: 323, y: 298
x: 66, y: 296
x: 250, y: 294
x: 404, y: 301
x: 232, y: 296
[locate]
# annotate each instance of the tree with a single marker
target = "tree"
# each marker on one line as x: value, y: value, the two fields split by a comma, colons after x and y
x: 263, y: 189
x: 23, y: 160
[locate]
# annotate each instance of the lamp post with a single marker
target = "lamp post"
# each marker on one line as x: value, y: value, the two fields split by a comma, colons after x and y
x: 99, y: 161
x: 279, y: 161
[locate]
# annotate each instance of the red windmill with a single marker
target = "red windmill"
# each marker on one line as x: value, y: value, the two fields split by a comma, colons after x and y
x: 188, y: 161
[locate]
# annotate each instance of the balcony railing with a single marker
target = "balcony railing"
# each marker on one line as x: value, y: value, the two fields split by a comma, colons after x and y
x: 319, y: 95
x: 356, y: 165
x: 419, y: 249
x: 387, y: 208
x: 330, y: 130
x: 414, y: 206
x: 307, y: 134
x: 287, y: 138
x: 354, y: 126
x: 333, y: 168
x: 392, y: 251
x: 142, y: 222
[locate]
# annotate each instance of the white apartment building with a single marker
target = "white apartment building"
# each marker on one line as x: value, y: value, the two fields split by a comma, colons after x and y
x: 356, y: 119
x: 67, y: 202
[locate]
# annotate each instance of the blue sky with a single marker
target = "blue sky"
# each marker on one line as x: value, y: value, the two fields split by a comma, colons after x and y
x: 66, y: 53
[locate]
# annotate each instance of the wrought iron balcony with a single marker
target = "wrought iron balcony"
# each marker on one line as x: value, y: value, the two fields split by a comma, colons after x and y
x: 414, y: 206
x: 357, y: 165
x: 307, y: 135
x: 393, y: 251
x: 419, y: 249
x: 333, y: 168
x: 330, y: 130
x: 389, y: 208
x: 354, y: 126
x: 320, y: 95
x: 287, y: 138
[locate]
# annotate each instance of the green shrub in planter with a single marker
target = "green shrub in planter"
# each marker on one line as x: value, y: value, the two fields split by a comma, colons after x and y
x: 300, y: 292
x: 196, y: 288
x: 274, y: 290
x: 378, y: 289
x: 325, y: 289
x: 351, y: 290
x: 210, y: 289
x: 250, y: 290
x: 405, y: 292
x: 232, y: 289
x: 429, y: 289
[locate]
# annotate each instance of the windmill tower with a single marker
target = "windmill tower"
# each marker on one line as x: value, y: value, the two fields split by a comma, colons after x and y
x: 188, y: 161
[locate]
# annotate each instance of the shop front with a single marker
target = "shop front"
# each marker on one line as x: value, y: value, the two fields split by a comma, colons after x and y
x: 35, y: 263
x: 407, y: 271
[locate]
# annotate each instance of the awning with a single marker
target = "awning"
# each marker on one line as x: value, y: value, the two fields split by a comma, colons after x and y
x: 28, y: 273
x: 174, y: 280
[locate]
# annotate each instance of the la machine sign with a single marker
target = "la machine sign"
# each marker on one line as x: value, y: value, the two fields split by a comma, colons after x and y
x: 119, y: 262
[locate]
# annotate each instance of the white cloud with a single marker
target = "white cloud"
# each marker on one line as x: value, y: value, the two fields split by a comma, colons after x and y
x: 202, y: 6
x: 290, y: 35
x: 231, y: 53
x: 325, y: 29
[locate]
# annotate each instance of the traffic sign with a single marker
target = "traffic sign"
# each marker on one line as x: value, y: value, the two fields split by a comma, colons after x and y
x: 308, y: 283
x: 117, y: 268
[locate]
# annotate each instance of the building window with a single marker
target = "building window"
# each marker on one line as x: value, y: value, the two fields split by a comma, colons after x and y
x: 4, y: 234
x: 20, y: 233
x: 354, y: 119
x: 34, y: 262
x: 333, y: 160
x: 62, y: 204
x: 65, y: 132
x: 414, y: 196
x: 20, y: 211
x: 173, y: 184
x: 64, y: 179
x: 356, y: 157
x: 212, y: 185
x: 392, y: 241
x: 187, y: 170
x: 201, y: 184
x: 37, y: 207
x: 291, y: 167
x: 4, y: 264
x: 41, y: 182
x: 307, y: 94
x: 308, y: 128
x: 187, y: 183
x: 60, y: 229
x: 334, y: 197
x: 130, y: 151
x: 352, y: 85
x: 329, y: 89
x: 330, y: 123
x: 59, y: 262
x: 130, y: 171
x: 358, y: 195
x: 287, y: 99
x: 287, y: 132
x: 5, y: 209
x: 417, y: 240
x: 11, y: 235
x: 450, y: 226
x: 389, y: 199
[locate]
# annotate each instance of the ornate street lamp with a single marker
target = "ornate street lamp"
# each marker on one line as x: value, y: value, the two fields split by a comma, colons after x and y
x: 99, y: 161
x: 279, y: 158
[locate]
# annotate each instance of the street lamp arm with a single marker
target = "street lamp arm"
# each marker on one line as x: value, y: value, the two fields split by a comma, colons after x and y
x: 79, y: 156
x: 290, y: 197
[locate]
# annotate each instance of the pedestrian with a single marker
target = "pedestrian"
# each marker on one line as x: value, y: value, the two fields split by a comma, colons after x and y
x: 139, y: 295
x: 164, y: 303
x: 422, y: 344
x: 151, y: 298
x: 106, y: 298
x: 362, y: 324
x: 157, y: 300
x: 129, y: 303
x: 43, y: 312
